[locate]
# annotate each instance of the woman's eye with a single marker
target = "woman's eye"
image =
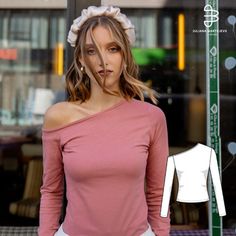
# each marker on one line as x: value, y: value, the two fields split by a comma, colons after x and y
x: 91, y: 51
x: 114, y: 49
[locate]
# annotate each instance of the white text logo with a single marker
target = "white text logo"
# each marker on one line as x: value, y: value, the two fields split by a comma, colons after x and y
x: 211, y: 16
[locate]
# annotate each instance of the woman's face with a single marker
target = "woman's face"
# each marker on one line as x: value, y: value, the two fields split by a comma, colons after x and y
x: 111, y: 54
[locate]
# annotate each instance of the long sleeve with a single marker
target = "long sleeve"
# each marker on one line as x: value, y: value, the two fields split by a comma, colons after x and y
x: 170, y: 169
x: 52, y: 188
x: 155, y: 172
x: 217, y: 184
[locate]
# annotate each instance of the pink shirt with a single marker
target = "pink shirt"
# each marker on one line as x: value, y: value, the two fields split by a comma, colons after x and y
x: 106, y: 158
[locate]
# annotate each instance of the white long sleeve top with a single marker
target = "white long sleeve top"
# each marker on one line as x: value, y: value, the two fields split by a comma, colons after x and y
x: 192, y: 167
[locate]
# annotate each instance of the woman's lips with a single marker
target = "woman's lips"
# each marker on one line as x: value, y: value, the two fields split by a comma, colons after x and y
x: 104, y: 73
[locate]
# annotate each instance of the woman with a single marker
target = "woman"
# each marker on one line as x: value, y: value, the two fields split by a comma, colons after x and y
x: 105, y: 142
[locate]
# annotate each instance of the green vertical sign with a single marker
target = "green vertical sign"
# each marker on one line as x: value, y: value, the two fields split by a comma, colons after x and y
x: 213, y: 107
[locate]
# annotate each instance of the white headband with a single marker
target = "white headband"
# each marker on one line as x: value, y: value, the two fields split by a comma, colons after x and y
x: 92, y: 11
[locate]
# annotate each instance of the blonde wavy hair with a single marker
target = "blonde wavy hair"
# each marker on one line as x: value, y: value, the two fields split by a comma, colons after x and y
x: 78, y: 81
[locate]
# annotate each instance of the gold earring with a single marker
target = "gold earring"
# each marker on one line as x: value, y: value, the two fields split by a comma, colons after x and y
x: 82, y: 69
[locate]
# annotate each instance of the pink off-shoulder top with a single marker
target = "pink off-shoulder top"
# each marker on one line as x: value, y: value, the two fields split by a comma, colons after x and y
x: 114, y: 163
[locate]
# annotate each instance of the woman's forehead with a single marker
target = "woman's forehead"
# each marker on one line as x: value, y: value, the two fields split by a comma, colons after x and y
x: 100, y: 34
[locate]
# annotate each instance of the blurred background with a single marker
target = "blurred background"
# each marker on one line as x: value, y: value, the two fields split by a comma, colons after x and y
x: 170, y: 50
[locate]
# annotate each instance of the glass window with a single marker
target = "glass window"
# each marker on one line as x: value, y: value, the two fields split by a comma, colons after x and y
x: 39, y: 32
x: 146, y: 37
x: 57, y: 30
x: 19, y: 28
x: 175, y: 66
x: 28, y: 40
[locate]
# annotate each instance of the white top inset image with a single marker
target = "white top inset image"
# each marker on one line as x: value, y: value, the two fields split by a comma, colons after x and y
x: 192, y: 167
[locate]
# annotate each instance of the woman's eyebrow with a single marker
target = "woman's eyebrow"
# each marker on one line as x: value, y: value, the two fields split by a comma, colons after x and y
x: 89, y: 45
x: 111, y: 43
x: 107, y: 44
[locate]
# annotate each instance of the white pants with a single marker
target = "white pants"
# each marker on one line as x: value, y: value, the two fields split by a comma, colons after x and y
x: 60, y: 232
x: 148, y: 232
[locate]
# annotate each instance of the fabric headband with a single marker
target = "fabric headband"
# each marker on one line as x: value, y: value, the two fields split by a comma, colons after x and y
x: 92, y: 11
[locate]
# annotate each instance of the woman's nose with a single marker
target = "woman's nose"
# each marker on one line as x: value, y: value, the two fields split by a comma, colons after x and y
x: 106, y: 64
x: 104, y: 57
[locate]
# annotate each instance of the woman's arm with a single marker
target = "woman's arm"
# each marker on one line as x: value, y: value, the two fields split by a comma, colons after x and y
x: 155, y: 174
x: 52, y: 188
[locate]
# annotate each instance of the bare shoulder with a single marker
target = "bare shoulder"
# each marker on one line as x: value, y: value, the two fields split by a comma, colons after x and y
x: 57, y: 115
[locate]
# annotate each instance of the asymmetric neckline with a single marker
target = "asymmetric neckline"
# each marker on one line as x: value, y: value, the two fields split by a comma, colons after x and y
x: 190, y: 149
x: 87, y: 117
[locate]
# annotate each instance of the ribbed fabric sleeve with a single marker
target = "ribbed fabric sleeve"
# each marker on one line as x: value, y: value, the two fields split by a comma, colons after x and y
x: 155, y: 173
x: 52, y: 189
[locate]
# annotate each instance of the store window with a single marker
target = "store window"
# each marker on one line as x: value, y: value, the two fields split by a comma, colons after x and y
x: 28, y: 41
x: 39, y: 32
x: 183, y: 88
